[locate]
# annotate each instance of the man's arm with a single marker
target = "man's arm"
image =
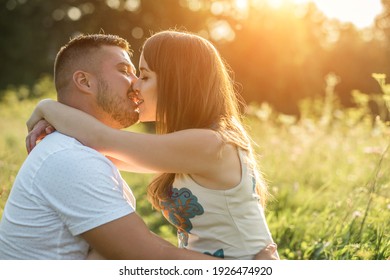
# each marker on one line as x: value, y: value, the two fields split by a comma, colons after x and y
x: 129, y: 238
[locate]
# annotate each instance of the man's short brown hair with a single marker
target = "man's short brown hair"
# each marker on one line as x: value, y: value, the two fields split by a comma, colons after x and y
x: 78, y: 51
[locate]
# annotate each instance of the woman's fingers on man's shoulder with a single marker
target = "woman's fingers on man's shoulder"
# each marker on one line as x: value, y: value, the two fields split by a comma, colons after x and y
x: 38, y: 132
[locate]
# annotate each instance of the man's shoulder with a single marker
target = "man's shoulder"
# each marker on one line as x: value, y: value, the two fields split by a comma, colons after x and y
x: 57, y: 144
x: 58, y: 151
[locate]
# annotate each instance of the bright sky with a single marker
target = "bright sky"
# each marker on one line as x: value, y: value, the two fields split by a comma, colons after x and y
x: 359, y: 12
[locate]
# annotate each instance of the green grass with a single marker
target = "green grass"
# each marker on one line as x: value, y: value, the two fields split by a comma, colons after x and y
x: 327, y: 173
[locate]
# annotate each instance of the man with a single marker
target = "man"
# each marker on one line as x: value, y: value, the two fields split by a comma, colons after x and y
x: 67, y: 197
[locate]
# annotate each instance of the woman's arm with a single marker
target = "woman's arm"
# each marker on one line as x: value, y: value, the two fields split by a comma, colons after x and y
x: 125, y: 166
x: 187, y: 151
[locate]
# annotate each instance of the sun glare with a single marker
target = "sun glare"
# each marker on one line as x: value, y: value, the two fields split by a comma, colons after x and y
x: 275, y: 3
x: 241, y: 5
x: 359, y: 12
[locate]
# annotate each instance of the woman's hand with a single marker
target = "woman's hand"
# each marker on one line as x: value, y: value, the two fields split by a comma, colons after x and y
x: 94, y: 255
x: 40, y: 130
x: 37, y: 127
x: 268, y: 253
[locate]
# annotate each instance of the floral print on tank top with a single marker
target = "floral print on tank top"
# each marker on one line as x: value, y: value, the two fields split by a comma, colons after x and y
x: 179, y: 210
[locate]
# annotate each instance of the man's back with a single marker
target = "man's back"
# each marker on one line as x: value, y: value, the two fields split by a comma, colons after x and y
x: 62, y: 190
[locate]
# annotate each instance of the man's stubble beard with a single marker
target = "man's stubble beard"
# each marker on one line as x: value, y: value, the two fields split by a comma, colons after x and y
x: 124, y: 115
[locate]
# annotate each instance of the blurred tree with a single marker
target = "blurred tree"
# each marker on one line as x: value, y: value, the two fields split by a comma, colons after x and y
x: 354, y: 59
x: 33, y: 30
x: 277, y: 64
x: 383, y: 24
x: 23, y: 44
x: 383, y: 20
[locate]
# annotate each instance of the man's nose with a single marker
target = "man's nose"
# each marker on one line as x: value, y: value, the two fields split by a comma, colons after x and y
x: 135, y: 86
x: 133, y: 80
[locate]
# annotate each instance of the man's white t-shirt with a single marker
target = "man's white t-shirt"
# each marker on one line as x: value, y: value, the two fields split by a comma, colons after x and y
x: 62, y: 190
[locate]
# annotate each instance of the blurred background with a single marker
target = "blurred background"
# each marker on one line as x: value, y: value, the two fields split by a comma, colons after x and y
x: 281, y: 51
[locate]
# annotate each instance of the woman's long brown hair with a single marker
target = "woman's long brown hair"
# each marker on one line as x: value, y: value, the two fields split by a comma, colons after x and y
x: 195, y: 90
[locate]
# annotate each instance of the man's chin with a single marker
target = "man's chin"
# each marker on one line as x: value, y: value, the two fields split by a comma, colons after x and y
x: 133, y: 119
x: 132, y: 123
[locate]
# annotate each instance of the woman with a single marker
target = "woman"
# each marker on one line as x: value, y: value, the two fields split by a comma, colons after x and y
x: 209, y: 186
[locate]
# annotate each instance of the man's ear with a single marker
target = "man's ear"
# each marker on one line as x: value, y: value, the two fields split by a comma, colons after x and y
x: 83, y: 81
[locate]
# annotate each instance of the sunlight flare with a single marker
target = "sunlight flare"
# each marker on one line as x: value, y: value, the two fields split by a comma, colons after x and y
x: 275, y: 3
x: 242, y: 5
x: 359, y: 12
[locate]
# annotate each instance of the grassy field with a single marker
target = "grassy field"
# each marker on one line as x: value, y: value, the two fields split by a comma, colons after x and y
x: 328, y: 174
